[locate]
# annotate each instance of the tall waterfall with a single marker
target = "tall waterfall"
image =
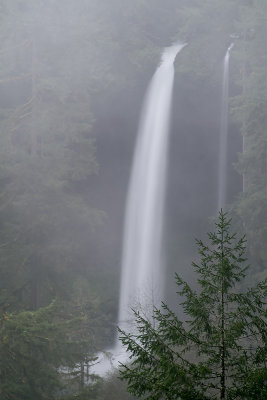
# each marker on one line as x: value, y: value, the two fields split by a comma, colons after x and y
x: 142, y: 275
x: 222, y: 178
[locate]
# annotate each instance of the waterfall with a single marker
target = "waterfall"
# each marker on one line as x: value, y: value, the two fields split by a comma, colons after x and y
x: 142, y: 279
x: 222, y: 176
x: 142, y: 275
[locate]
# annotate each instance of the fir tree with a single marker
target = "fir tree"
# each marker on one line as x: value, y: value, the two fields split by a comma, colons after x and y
x: 219, y: 351
x: 40, y: 352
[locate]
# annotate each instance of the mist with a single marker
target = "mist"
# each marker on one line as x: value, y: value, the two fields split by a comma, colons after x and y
x: 73, y: 78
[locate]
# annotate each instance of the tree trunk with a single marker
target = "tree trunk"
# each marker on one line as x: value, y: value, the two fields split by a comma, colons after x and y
x: 222, y: 383
x: 222, y: 374
x: 82, y: 376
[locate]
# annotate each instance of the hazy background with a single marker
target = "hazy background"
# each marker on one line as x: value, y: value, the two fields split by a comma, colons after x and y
x: 73, y: 75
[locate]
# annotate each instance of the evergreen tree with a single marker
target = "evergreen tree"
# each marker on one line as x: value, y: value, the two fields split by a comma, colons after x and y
x: 249, y: 110
x: 37, y: 349
x: 219, y: 351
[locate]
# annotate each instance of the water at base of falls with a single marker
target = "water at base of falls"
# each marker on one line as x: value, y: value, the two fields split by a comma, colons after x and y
x: 109, y: 361
x: 142, y: 277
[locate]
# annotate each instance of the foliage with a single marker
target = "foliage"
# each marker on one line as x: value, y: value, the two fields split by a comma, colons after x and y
x: 58, y: 58
x: 62, y: 65
x: 114, y: 389
x: 89, y: 392
x: 35, y: 346
x: 47, y: 148
x: 221, y: 346
x: 249, y: 110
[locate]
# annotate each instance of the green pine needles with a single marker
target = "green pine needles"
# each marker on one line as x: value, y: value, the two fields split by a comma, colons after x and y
x: 220, y: 350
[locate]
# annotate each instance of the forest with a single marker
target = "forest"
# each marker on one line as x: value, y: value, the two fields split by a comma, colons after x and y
x: 73, y: 76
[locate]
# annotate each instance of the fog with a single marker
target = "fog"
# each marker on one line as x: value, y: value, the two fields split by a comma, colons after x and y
x: 73, y: 77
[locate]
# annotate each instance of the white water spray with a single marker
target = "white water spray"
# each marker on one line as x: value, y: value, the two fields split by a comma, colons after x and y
x: 142, y: 274
x: 222, y: 178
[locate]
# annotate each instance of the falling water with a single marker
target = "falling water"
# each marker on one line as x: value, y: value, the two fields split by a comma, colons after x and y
x: 222, y: 178
x: 142, y: 274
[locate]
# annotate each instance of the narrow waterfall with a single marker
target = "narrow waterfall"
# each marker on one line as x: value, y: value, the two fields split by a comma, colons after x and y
x: 222, y: 175
x: 142, y: 279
